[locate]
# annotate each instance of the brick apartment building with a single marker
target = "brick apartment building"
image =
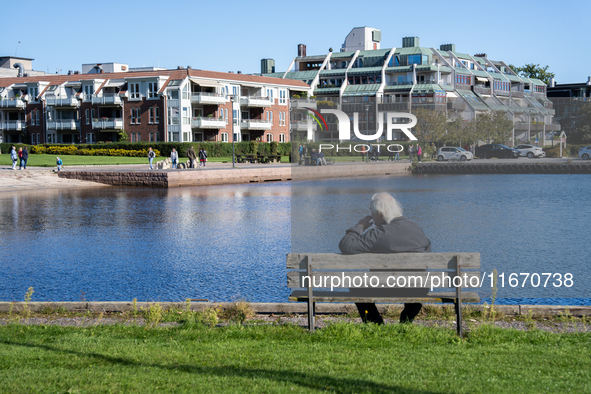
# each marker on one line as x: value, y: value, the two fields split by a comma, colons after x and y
x: 147, y: 104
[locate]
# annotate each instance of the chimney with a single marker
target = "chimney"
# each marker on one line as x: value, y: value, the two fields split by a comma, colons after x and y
x: 301, y: 50
x: 410, y: 42
x: 589, y: 81
x: 267, y: 66
x: 447, y: 47
x: 238, y: 72
x: 480, y: 55
x: 553, y: 83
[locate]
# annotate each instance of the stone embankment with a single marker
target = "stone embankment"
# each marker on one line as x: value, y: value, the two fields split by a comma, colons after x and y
x: 39, y: 180
x: 219, y: 175
x: 501, y: 168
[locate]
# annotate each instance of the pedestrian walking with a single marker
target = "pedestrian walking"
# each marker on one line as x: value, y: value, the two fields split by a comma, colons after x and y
x: 174, y: 157
x: 25, y: 157
x: 151, y: 156
x: 419, y: 152
x: 192, y: 155
x: 410, y: 152
x: 202, y: 157
x: 59, y: 163
x: 20, y: 158
x: 13, y: 157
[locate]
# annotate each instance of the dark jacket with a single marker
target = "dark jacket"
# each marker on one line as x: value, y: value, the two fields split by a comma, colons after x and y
x: 401, y: 235
x: 25, y: 153
x: 191, y: 154
x: 202, y: 155
x: 314, y: 156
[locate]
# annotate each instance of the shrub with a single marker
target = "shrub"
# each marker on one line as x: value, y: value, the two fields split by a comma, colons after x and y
x: 240, y: 312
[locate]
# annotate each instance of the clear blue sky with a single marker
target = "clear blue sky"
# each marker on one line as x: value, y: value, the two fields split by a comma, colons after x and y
x: 235, y: 35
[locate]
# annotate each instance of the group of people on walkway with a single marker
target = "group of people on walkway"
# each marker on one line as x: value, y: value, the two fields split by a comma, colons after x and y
x: 22, y: 155
x: 412, y: 150
x: 174, y: 157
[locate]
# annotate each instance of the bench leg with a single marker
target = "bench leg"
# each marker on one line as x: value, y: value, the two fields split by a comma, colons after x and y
x: 311, y: 312
x: 458, y: 307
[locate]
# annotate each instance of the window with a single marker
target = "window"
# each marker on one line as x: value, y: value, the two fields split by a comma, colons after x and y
x: 186, y: 116
x: 224, y: 137
x: 139, y: 137
x: 138, y: 116
x: 151, y: 137
x: 88, y: 90
x: 37, y: 120
x: 151, y: 116
x: 271, y: 116
x: 152, y: 89
x: 134, y: 89
x: 226, y: 115
x: 282, y: 95
x: 132, y: 120
x: 282, y: 137
x: 87, y: 116
x: 156, y: 115
x: 186, y: 94
x: 269, y: 137
x: 132, y: 137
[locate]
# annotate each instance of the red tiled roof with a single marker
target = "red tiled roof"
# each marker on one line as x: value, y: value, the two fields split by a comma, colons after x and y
x: 173, y: 74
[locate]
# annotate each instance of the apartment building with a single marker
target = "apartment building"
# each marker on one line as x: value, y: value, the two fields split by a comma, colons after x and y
x: 568, y: 100
x: 366, y: 79
x: 148, y: 104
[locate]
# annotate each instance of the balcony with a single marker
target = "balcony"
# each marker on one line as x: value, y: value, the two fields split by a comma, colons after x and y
x: 63, y: 125
x: 208, y: 123
x: 13, y: 125
x: 256, y: 101
x: 108, y: 124
x: 107, y: 99
x: 255, y: 124
x: 303, y: 103
x: 515, y: 93
x: 12, y: 103
x: 301, y: 125
x: 481, y: 90
x: 456, y: 105
x: 501, y: 92
x: 394, y: 106
x: 208, y: 98
x: 53, y: 101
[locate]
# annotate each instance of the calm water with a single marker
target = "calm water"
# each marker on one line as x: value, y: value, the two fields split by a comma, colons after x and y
x: 229, y: 242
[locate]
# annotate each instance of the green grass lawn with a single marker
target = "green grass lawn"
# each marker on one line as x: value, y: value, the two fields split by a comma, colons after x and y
x: 44, y: 160
x: 344, y: 358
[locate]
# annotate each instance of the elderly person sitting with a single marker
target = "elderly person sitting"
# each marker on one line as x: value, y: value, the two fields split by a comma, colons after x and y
x: 393, y: 233
x: 315, y: 158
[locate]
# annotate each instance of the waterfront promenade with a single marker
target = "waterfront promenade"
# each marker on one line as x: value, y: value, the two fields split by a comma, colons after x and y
x: 42, y: 178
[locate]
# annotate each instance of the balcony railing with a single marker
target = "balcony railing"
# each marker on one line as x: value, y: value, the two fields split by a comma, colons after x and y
x: 208, y: 123
x: 53, y: 101
x: 395, y: 106
x: 255, y: 124
x: 301, y: 125
x: 256, y: 101
x: 13, y: 125
x: 303, y: 103
x: 63, y: 125
x: 501, y: 92
x: 12, y: 103
x: 108, y: 124
x: 107, y: 99
x: 515, y: 93
x: 459, y: 105
x: 208, y: 98
x: 481, y: 90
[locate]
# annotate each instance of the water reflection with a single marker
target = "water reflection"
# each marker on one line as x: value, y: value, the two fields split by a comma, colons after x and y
x: 226, y: 243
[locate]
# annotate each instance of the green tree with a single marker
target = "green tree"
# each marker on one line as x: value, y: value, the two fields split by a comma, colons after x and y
x: 431, y: 125
x: 582, y: 133
x: 531, y: 70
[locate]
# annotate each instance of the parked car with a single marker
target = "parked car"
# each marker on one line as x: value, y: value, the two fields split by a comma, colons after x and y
x: 530, y: 151
x: 585, y: 153
x: 453, y: 153
x: 496, y: 150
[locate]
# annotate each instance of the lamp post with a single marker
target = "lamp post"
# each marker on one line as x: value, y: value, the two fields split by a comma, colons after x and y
x: 233, y: 134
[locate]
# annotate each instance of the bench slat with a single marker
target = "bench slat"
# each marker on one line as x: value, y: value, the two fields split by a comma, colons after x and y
x: 384, y: 261
x: 432, y: 297
x: 328, y: 279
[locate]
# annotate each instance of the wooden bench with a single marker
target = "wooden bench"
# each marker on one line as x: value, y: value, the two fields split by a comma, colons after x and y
x: 397, y: 279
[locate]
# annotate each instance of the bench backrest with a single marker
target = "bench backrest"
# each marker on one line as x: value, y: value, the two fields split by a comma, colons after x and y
x: 314, y: 268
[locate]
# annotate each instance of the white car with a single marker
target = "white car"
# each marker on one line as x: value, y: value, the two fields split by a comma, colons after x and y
x: 453, y: 153
x: 585, y: 153
x: 530, y: 151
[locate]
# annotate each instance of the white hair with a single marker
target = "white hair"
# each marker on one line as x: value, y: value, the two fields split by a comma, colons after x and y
x: 385, y: 205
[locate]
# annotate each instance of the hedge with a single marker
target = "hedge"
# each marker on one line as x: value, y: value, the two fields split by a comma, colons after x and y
x: 571, y: 150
